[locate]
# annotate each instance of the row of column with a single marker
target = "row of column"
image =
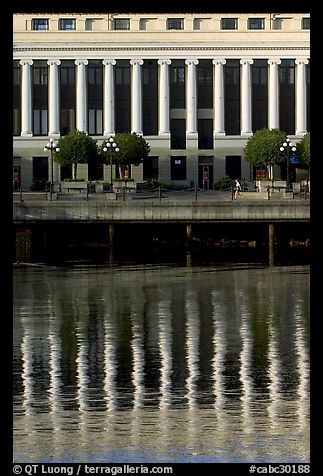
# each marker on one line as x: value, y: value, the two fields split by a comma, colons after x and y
x: 164, y: 110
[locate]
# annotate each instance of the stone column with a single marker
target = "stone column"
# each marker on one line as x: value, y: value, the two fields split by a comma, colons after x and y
x: 53, y: 98
x: 163, y: 97
x: 81, y: 95
x: 218, y: 87
x: 191, y: 103
x: 26, y: 106
x: 273, y: 94
x: 108, y: 105
x: 136, y: 102
x: 246, y: 122
x: 301, y: 96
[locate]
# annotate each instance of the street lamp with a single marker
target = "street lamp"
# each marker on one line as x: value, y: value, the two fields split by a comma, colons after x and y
x: 288, y: 146
x: 111, y: 146
x: 52, y: 146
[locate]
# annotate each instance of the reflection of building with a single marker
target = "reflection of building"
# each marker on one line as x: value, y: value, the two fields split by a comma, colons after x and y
x: 195, y: 85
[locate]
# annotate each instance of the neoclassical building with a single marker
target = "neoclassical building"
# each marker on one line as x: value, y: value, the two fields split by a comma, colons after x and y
x: 196, y: 86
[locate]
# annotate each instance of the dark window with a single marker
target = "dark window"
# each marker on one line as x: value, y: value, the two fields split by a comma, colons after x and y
x: 150, y: 97
x: 177, y: 84
x: 306, y: 23
x: 259, y: 101
x: 40, y: 168
x: 67, y: 24
x: 178, y: 134
x: 256, y: 23
x: 150, y: 168
x: 175, y: 24
x: 287, y: 96
x: 233, y: 166
x: 122, y: 96
x: 16, y: 99
x: 67, y: 97
x: 40, y: 97
x: 95, y: 97
x: 232, y: 97
x: 205, y: 133
x: 39, y: 24
x: 204, y: 71
x: 178, y: 168
x: 229, y: 23
x: 121, y: 24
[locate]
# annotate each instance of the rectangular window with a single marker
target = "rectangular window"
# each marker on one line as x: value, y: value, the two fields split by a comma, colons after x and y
x: 229, y: 23
x: 40, y: 75
x: 95, y: 122
x: 16, y: 75
x: 178, y: 168
x: 40, y: 122
x: 39, y: 24
x: 67, y: 24
x: 306, y: 23
x: 67, y: 75
x: 121, y: 24
x: 175, y: 24
x: 256, y: 23
x: 122, y: 74
x: 177, y: 74
x: 287, y: 72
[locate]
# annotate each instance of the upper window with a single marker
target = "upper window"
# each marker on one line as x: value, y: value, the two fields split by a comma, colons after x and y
x: 229, y: 23
x: 306, y: 23
x: 39, y: 24
x: 256, y: 23
x: 175, y: 24
x: 67, y: 24
x: 121, y: 24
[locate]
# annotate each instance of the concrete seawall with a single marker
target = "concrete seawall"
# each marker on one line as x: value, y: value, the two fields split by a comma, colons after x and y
x: 159, y: 212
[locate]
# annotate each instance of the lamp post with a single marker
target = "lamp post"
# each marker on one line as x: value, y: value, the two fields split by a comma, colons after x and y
x: 288, y: 146
x: 111, y: 146
x: 52, y: 147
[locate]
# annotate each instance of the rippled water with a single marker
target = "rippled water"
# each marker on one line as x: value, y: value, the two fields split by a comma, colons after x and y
x: 161, y: 364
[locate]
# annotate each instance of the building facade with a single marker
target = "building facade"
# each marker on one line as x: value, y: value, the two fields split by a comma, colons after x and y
x: 196, y: 86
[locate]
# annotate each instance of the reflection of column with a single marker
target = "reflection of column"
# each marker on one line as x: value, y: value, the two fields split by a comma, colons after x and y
x: 27, y: 372
x: 26, y: 105
x: 273, y: 94
x: 108, y: 105
x: 192, y: 345
x: 82, y: 366
x: 219, y: 343
x: 53, y: 98
x: 301, y: 96
x: 218, y: 129
x: 81, y: 95
x: 110, y: 367
x: 191, y: 99
x: 164, y: 97
x: 246, y: 122
x: 274, y: 371
x: 165, y: 348
x: 303, y: 367
x: 136, y: 96
x: 137, y: 358
x: 55, y: 350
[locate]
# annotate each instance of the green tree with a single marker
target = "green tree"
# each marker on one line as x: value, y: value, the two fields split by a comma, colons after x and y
x: 304, y: 154
x: 303, y: 150
x: 133, y: 150
x: 76, y: 148
x: 263, y: 148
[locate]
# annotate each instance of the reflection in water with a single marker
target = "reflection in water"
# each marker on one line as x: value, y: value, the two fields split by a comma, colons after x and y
x: 161, y: 364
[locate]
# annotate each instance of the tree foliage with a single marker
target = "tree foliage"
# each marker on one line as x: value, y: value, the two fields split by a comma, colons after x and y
x: 263, y: 148
x: 76, y: 148
x: 303, y: 150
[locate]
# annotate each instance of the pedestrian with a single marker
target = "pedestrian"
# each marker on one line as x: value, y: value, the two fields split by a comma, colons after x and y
x: 236, y: 188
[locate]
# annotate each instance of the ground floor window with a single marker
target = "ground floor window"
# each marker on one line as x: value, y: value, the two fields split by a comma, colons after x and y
x: 233, y: 166
x: 178, y: 168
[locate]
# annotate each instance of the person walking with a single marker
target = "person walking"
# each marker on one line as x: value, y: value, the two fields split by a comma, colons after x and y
x: 236, y: 188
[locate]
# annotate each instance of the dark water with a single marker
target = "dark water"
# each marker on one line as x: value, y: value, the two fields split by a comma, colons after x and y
x: 161, y: 363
